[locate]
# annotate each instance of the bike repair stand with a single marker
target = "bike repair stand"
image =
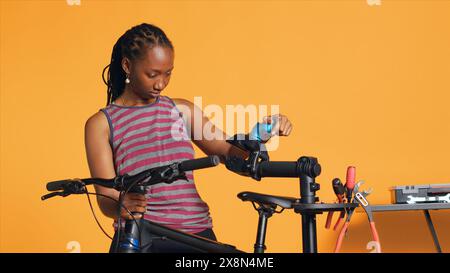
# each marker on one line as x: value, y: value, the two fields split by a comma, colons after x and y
x: 308, y: 169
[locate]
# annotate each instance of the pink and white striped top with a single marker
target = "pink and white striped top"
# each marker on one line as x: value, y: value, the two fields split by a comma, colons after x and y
x: 153, y: 135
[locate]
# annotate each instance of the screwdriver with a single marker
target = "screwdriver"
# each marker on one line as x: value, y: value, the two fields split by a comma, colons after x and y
x: 349, y: 185
x: 350, y: 182
x: 339, y: 190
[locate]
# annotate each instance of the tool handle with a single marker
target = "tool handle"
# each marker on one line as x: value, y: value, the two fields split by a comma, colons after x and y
x: 339, y: 220
x: 341, y: 237
x: 329, y: 219
x: 350, y: 179
x: 375, y: 236
x: 338, y: 187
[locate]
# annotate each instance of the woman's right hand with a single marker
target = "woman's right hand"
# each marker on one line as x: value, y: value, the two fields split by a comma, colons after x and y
x: 134, y: 202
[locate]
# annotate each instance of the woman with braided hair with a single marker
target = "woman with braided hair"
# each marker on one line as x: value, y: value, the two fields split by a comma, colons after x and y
x: 134, y: 132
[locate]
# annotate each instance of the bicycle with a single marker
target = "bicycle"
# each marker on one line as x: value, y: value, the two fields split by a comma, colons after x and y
x: 256, y: 166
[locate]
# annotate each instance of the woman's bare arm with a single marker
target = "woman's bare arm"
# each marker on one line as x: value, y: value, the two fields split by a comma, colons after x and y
x: 217, y: 146
x: 100, y: 160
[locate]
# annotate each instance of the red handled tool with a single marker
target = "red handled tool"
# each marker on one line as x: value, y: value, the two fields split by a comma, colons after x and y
x: 350, y: 182
x: 339, y: 190
x: 343, y: 231
x: 361, y: 199
x: 349, y: 186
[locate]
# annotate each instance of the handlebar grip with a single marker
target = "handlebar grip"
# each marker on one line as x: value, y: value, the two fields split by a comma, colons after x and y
x: 57, y: 185
x: 200, y: 163
x: 278, y: 169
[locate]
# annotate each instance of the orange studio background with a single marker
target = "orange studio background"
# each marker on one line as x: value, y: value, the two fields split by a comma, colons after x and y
x: 364, y: 85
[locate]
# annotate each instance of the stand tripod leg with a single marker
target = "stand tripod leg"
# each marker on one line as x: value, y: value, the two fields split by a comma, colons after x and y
x: 309, y: 169
x: 309, y: 233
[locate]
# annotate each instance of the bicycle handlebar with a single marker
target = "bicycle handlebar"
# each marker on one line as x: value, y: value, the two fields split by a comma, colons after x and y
x: 278, y: 169
x: 61, y: 184
x: 199, y: 163
x: 162, y: 174
x: 258, y: 168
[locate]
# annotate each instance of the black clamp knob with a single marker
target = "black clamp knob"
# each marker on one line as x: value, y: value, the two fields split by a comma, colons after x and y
x: 309, y: 166
x: 315, y: 186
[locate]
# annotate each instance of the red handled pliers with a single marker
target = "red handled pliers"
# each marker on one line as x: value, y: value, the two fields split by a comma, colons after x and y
x: 360, y: 198
x: 340, y: 190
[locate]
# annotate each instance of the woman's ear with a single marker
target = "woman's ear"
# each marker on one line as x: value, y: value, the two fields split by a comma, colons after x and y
x: 126, y: 65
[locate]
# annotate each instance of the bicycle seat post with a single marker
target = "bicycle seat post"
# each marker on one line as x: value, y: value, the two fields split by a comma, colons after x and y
x: 264, y: 214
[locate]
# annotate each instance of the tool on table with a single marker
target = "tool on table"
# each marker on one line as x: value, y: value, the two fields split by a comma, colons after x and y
x: 431, y: 193
x: 432, y: 199
x: 350, y: 182
x: 360, y: 198
x: 343, y: 230
x: 349, y: 185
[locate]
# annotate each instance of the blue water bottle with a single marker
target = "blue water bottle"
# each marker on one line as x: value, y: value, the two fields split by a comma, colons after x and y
x: 261, y: 132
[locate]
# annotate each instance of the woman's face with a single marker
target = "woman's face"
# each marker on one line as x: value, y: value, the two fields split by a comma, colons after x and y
x: 151, y: 74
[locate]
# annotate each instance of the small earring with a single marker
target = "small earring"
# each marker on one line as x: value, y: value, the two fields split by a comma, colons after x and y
x: 127, y: 80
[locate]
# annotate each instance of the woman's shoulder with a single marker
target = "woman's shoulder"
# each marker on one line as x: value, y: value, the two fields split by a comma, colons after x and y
x: 181, y: 102
x: 97, y: 121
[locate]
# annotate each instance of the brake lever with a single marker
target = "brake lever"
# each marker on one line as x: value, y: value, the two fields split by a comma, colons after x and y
x: 166, y: 174
x: 53, y: 194
x: 237, y: 165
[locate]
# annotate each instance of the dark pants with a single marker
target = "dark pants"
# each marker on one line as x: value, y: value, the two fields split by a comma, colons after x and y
x: 156, y: 244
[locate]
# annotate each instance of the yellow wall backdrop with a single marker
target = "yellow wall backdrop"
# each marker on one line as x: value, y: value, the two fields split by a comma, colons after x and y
x: 364, y: 85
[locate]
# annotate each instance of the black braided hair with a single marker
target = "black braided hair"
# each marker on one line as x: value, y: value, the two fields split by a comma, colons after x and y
x: 132, y: 44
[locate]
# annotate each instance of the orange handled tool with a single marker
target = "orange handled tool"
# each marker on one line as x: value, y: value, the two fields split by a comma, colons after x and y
x: 364, y: 203
x: 343, y: 231
x: 350, y: 182
x: 349, y: 186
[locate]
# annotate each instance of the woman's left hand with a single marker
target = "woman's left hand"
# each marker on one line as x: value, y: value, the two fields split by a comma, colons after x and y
x: 283, y: 126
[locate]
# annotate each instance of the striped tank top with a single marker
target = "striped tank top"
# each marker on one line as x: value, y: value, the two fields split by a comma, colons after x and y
x: 143, y: 137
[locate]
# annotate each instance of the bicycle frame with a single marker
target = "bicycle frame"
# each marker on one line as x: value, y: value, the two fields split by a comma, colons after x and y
x: 195, y: 242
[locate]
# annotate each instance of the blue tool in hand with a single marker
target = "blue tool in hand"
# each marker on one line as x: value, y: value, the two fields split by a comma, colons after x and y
x: 263, y: 131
